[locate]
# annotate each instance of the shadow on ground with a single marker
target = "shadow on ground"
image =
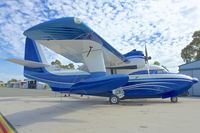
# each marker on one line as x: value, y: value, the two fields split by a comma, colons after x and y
x: 52, y: 112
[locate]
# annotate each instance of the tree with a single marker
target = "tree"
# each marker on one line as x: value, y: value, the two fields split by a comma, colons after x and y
x: 59, y: 64
x: 156, y: 63
x: 12, y: 80
x: 192, y: 51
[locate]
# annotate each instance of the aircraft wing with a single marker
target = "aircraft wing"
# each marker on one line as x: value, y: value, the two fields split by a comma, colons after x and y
x: 71, y: 38
x: 31, y: 64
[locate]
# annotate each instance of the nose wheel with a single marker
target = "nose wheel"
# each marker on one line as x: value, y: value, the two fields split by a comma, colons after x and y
x: 114, y: 99
x: 174, y: 99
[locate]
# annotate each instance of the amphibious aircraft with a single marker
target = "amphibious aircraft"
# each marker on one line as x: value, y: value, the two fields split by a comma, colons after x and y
x: 105, y: 71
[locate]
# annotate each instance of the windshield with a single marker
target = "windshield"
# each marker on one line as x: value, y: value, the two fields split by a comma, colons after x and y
x: 156, y: 71
x: 162, y: 71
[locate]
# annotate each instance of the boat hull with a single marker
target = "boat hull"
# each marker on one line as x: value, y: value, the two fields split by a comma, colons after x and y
x: 156, y: 87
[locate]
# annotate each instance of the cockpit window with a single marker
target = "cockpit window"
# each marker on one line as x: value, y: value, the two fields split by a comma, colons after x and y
x: 162, y: 71
x: 156, y: 71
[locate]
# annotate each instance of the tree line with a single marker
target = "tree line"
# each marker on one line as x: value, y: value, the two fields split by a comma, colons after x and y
x: 192, y: 51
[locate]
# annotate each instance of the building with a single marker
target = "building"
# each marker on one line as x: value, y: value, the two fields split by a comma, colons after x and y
x: 27, y: 84
x: 2, y: 84
x: 192, y: 69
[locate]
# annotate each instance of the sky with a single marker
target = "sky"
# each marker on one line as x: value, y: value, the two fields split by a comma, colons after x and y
x: 165, y: 26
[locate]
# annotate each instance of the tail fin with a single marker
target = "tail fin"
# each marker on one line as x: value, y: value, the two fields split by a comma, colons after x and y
x: 34, y: 53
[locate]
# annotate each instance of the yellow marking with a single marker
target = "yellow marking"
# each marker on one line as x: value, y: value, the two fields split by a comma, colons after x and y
x: 1, y: 131
x: 6, y: 125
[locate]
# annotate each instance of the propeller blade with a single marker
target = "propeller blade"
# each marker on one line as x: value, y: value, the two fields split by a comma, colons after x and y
x: 147, y: 58
x: 146, y: 53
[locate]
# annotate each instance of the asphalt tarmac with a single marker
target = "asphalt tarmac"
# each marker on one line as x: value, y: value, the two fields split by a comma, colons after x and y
x: 42, y: 111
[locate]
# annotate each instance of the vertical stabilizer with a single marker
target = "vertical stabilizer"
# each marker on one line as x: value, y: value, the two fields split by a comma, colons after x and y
x: 33, y: 52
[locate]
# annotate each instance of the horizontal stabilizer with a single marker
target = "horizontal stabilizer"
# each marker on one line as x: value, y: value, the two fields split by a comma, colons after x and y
x: 27, y: 63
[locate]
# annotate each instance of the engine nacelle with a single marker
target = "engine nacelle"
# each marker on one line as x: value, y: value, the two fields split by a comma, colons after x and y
x: 136, y: 58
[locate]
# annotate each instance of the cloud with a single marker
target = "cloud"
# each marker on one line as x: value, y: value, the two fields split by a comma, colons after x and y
x: 164, y: 26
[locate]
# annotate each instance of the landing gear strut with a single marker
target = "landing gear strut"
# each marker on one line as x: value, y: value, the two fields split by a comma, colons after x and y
x: 117, y: 94
x: 114, y: 99
x: 174, y: 99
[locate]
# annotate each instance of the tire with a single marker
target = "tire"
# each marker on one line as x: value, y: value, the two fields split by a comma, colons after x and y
x: 114, y: 99
x: 174, y: 99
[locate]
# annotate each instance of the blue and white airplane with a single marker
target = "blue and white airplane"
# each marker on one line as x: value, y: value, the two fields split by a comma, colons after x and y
x: 105, y: 71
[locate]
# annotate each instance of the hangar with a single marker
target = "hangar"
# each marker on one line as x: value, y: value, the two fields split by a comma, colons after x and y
x: 192, y: 69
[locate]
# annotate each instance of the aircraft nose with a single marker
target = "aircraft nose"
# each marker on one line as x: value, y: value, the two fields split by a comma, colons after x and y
x: 195, y: 80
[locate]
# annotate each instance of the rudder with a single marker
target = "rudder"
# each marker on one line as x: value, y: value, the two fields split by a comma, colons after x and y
x: 34, y: 53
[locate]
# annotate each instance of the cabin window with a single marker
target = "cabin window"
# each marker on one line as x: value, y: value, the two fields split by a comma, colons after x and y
x: 139, y: 72
x: 159, y: 71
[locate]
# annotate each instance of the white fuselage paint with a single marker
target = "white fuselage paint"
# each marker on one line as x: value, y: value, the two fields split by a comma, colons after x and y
x: 151, y: 76
x: 158, y: 76
x: 69, y: 72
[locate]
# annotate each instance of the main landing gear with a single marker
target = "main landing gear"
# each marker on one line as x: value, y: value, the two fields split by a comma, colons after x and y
x: 114, y: 99
x: 174, y: 99
x: 117, y: 94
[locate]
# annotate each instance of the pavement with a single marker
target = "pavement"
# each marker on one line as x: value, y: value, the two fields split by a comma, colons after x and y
x: 42, y: 111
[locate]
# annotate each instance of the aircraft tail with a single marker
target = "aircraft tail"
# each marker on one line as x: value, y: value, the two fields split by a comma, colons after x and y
x: 33, y: 53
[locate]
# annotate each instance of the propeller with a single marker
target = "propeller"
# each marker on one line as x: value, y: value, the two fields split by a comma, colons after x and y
x: 147, y: 58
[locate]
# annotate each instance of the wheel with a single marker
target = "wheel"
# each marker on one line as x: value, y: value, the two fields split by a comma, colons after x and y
x: 174, y: 99
x: 114, y: 99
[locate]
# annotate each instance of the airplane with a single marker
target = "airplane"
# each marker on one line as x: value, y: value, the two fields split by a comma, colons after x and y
x: 105, y: 71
